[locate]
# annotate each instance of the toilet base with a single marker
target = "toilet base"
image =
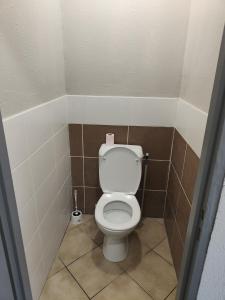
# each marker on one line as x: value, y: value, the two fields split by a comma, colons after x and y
x: 115, y: 250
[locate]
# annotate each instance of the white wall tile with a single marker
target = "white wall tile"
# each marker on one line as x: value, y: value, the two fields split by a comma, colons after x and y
x: 34, y: 251
x: 62, y: 171
x: 37, y: 280
x: 152, y: 112
x: 39, y: 126
x: 46, y: 194
x: 141, y: 111
x: 191, y: 124
x: 61, y: 143
x: 16, y: 139
x: 58, y: 110
x: 42, y: 163
x: 121, y: 110
x: 28, y: 221
x: 38, y: 147
x: 22, y: 183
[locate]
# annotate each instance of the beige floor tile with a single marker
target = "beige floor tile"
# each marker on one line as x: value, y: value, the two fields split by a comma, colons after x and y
x: 56, y: 267
x: 85, y: 219
x: 155, y: 275
x: 163, y: 249
x: 62, y: 286
x: 94, y: 272
x: 75, y: 244
x: 172, y: 296
x: 151, y: 232
x: 122, y: 288
x: 92, y: 230
x: 136, y: 251
x: 160, y: 220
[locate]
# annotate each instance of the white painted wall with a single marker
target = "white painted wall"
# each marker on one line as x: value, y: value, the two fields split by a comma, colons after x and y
x: 31, y: 54
x: 202, y: 51
x: 38, y: 147
x: 212, y: 281
x: 125, y: 48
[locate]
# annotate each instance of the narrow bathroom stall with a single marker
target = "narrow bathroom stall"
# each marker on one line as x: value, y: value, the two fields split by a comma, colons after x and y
x: 73, y: 72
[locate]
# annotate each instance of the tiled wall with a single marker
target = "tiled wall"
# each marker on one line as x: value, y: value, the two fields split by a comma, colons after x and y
x: 38, y: 148
x: 183, y: 172
x: 85, y: 141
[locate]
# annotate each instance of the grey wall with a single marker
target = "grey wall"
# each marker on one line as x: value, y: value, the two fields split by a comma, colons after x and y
x: 128, y: 47
x: 202, y: 51
x: 212, y: 283
x: 31, y: 54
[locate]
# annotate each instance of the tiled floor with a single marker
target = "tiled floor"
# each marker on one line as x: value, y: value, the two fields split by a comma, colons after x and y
x: 81, y: 272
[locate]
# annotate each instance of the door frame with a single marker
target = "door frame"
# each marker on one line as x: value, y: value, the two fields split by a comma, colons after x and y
x: 208, y: 189
x: 10, y: 230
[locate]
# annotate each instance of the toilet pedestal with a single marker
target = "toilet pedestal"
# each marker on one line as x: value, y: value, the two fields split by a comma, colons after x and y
x: 115, y: 249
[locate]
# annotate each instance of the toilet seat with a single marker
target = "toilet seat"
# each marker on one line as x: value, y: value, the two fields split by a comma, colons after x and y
x: 130, y: 202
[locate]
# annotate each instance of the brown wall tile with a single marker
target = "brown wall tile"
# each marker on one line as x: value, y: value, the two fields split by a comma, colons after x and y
x: 154, y: 140
x: 94, y: 136
x: 173, y: 191
x: 169, y: 221
x: 154, y: 204
x: 80, y: 197
x: 157, y: 175
x: 92, y: 196
x: 77, y: 171
x: 139, y: 196
x: 176, y: 247
x: 178, y: 208
x: 91, y: 168
x: 182, y: 215
x: 190, y: 172
x: 75, y: 134
x: 179, y: 148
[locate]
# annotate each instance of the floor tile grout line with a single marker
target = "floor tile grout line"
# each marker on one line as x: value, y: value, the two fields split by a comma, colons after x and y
x: 80, y: 256
x: 153, y: 249
x: 147, y: 292
x: 78, y: 283
x: 122, y: 272
x: 171, y: 264
x: 170, y: 293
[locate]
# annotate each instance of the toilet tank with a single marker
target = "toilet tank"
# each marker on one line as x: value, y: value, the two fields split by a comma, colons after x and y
x: 120, y: 168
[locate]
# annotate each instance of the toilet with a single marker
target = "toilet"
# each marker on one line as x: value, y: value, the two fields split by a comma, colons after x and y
x: 117, y: 212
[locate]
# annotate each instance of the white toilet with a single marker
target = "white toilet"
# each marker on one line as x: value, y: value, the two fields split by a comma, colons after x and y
x: 117, y: 212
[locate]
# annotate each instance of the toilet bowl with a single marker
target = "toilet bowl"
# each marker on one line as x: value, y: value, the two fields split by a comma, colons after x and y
x: 117, y: 212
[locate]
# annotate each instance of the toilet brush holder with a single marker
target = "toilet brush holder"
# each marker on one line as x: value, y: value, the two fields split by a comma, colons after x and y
x: 76, y: 217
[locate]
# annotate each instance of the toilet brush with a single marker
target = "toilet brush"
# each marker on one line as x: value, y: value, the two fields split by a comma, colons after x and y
x: 76, y: 217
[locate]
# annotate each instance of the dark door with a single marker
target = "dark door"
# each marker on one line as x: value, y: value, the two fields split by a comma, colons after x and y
x: 6, y: 289
x: 14, y: 282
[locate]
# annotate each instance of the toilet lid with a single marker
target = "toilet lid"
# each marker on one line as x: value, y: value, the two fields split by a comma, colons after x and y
x: 120, y: 168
